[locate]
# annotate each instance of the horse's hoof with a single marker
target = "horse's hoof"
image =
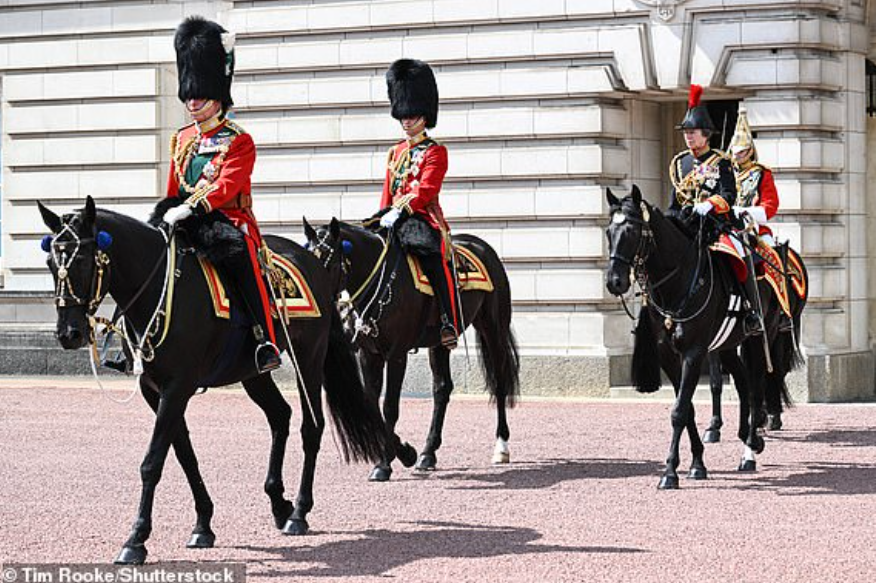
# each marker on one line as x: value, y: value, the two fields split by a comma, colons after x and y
x: 775, y: 423
x: 501, y: 457
x: 296, y: 527
x: 284, y: 514
x: 668, y: 483
x: 202, y: 540
x: 407, y: 455
x: 747, y: 466
x: 380, y: 474
x: 712, y: 436
x: 698, y: 473
x: 501, y: 453
x: 131, y: 555
x: 426, y: 462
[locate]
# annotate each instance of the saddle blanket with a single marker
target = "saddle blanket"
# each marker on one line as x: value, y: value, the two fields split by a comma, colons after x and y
x: 471, y: 272
x: 290, y: 286
x: 771, y: 260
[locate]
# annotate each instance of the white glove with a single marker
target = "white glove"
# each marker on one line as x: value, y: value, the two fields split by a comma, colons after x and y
x: 177, y: 213
x: 758, y: 213
x: 389, y: 219
x: 703, y: 208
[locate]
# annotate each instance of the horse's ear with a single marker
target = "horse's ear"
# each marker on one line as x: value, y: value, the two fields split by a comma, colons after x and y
x: 334, y: 228
x: 309, y: 231
x: 52, y: 221
x: 636, y: 194
x: 90, y: 212
x: 611, y: 198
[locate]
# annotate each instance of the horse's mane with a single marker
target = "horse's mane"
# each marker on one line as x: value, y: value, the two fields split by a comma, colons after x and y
x: 683, y: 222
x: 106, y: 215
x: 364, y: 231
x: 690, y: 225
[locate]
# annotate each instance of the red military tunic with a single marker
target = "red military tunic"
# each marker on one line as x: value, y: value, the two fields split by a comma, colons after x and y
x: 218, y: 168
x: 415, y: 171
x: 756, y: 187
x: 213, y: 173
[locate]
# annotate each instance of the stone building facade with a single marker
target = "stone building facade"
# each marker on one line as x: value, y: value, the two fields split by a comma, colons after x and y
x: 543, y: 105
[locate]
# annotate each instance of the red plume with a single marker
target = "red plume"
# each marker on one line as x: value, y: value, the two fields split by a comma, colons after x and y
x: 693, y: 99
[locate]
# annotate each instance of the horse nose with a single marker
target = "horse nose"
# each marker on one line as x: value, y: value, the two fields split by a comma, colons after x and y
x: 70, y: 336
x: 615, y: 283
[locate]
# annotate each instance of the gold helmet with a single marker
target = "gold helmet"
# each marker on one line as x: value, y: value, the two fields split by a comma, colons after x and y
x: 742, y: 138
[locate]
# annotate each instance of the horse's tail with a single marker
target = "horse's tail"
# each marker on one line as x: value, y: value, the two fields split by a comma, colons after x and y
x: 356, y: 418
x: 499, y: 358
x: 798, y: 302
x: 645, y: 368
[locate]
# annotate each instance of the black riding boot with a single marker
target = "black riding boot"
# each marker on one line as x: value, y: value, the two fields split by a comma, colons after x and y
x: 751, y: 324
x: 434, y: 269
x: 239, y: 271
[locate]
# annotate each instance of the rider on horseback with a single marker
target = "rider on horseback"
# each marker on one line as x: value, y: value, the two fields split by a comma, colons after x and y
x: 210, y: 167
x: 758, y: 199
x: 704, y: 181
x: 415, y: 171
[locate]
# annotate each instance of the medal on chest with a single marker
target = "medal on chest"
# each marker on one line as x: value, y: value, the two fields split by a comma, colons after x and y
x: 706, y: 174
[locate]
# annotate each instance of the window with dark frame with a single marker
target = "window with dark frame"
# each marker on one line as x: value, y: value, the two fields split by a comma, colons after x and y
x: 871, y: 88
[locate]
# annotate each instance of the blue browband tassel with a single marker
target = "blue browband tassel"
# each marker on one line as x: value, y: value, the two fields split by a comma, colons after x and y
x: 104, y: 240
x: 346, y: 246
x: 46, y: 243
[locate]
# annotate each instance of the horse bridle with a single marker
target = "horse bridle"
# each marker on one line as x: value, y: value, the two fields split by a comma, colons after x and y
x: 324, y: 252
x: 646, y: 240
x: 65, y: 294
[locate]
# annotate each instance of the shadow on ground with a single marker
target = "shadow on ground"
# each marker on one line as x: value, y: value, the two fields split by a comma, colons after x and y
x: 838, y: 436
x: 548, y: 473
x: 378, y: 552
x: 820, y: 478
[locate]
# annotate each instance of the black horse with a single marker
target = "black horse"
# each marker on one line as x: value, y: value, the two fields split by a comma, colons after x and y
x: 395, y: 318
x: 691, y: 308
x: 194, y: 353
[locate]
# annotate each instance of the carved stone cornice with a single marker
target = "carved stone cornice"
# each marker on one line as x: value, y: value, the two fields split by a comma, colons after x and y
x: 665, y: 8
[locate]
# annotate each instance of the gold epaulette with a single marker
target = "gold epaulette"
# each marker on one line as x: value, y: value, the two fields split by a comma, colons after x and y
x: 234, y: 127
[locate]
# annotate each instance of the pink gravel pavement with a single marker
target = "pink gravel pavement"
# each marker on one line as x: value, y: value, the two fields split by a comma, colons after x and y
x: 578, y: 502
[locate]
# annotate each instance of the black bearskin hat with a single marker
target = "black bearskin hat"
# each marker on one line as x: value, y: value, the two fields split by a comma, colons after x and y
x: 203, y: 64
x: 412, y: 90
x: 697, y: 116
